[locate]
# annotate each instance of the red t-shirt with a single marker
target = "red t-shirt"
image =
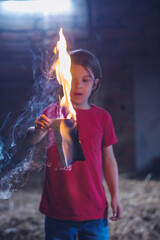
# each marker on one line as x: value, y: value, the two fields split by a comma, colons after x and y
x: 77, y: 193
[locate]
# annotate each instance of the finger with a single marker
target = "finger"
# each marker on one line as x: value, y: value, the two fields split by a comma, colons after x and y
x: 117, y: 214
x: 114, y: 212
x: 41, y: 124
x: 39, y: 128
x: 45, y: 118
x: 114, y: 219
x: 114, y: 216
x: 45, y: 122
x: 42, y: 121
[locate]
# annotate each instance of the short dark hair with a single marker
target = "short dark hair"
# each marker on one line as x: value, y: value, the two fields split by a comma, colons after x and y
x: 87, y: 60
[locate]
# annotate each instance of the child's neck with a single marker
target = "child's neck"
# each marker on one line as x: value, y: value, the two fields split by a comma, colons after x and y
x: 85, y: 107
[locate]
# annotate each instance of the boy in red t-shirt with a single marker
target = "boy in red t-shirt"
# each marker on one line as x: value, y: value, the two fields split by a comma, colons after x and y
x: 74, y: 199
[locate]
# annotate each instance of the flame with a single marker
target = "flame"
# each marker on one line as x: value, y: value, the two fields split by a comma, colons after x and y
x: 63, y: 74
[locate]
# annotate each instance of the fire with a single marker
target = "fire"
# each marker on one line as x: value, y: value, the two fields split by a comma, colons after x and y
x: 66, y: 130
x: 63, y: 74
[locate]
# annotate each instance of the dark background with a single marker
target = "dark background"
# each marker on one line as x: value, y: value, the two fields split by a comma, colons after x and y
x: 125, y: 36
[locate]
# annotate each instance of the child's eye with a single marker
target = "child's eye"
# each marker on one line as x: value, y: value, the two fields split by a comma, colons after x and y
x: 86, y: 80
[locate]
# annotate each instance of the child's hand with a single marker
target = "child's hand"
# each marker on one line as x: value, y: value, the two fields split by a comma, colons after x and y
x: 116, y: 209
x: 42, y: 123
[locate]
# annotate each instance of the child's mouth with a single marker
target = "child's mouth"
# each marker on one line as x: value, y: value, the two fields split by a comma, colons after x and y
x: 78, y: 94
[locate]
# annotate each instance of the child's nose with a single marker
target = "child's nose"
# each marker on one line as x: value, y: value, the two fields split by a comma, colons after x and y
x: 78, y: 83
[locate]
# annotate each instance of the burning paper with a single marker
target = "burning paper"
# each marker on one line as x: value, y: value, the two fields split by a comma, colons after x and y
x: 67, y: 140
x: 66, y: 130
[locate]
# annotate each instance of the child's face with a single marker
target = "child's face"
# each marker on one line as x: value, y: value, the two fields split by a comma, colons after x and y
x: 82, y: 86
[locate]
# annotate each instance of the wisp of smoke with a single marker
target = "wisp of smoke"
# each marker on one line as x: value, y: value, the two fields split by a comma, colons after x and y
x: 16, y: 156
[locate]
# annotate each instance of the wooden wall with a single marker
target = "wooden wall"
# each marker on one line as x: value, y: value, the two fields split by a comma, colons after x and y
x: 119, y: 33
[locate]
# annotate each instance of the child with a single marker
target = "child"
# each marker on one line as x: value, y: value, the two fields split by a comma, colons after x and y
x: 74, y: 201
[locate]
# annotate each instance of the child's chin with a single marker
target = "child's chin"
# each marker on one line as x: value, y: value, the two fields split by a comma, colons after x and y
x: 75, y: 101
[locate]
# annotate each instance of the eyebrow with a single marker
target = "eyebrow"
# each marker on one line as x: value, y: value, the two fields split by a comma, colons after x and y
x: 87, y: 76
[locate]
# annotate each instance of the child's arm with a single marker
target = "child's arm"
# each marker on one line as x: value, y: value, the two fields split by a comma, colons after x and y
x: 36, y: 133
x: 111, y: 177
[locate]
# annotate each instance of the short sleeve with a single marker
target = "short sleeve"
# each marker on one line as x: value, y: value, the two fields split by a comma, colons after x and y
x: 52, y: 111
x: 109, y: 136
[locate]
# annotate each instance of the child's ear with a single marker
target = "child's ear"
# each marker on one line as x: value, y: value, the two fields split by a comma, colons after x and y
x: 96, y: 82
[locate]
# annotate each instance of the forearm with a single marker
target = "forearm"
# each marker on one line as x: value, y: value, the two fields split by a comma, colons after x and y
x: 111, y: 176
x: 34, y: 135
x: 37, y: 133
x: 111, y: 171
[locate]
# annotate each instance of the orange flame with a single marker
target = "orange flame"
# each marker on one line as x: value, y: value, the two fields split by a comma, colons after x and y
x: 63, y: 74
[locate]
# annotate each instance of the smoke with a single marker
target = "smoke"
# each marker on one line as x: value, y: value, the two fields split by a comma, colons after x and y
x: 16, y: 156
